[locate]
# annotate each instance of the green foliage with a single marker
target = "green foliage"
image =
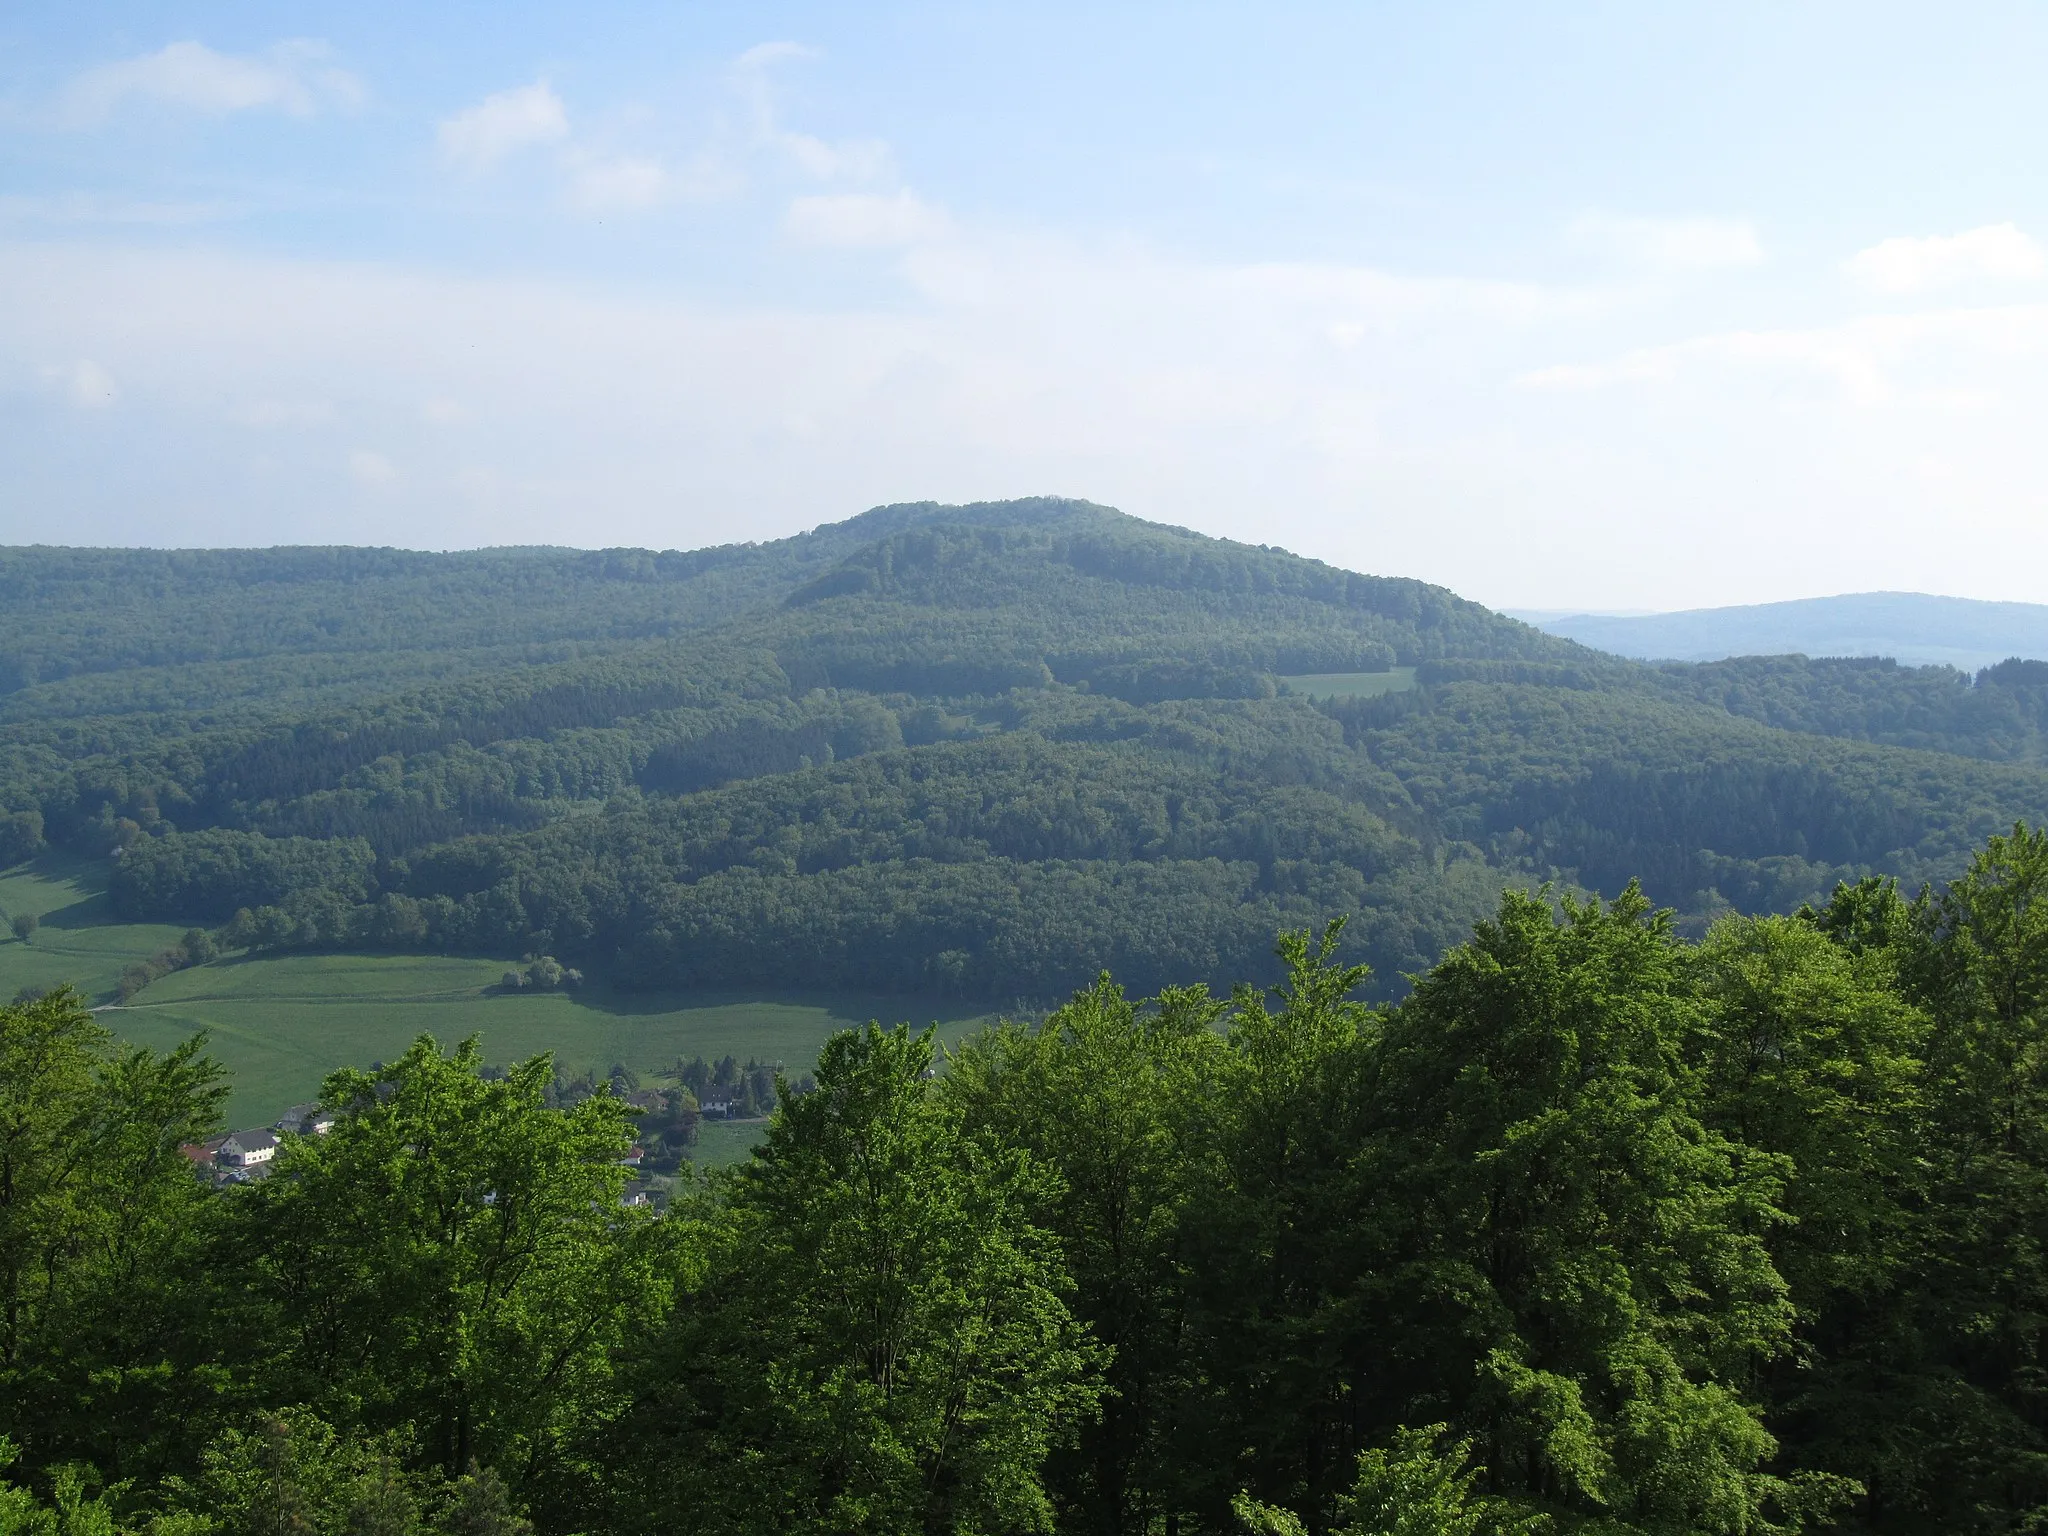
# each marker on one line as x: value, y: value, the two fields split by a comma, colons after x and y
x: 1420, y: 1486
x: 2001, y: 714
x: 1607, y: 1245
x: 452, y: 1257
x: 99, y: 1217
x: 1810, y: 1053
x: 877, y: 1331
x: 295, y: 1475
x: 1107, y: 1096
x: 1711, y: 1221
x: 980, y: 751
x: 1658, y: 1237
x: 197, y: 947
x: 21, y: 836
x: 70, y: 1512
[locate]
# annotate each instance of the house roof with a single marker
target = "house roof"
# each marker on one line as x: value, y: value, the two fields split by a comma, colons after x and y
x: 250, y: 1141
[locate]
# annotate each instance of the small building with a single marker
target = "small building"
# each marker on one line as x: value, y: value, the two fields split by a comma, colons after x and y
x: 305, y: 1120
x: 633, y: 1157
x: 246, y: 1149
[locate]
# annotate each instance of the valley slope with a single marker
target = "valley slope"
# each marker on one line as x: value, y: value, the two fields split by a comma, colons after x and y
x: 974, y: 754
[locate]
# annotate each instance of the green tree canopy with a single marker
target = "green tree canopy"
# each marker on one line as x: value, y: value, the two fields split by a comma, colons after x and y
x: 877, y: 1332
x: 453, y: 1257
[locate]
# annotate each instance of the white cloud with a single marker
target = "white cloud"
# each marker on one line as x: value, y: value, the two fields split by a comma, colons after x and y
x: 444, y: 412
x: 294, y: 77
x: 478, y: 137
x: 1864, y: 358
x: 1905, y: 265
x: 1670, y: 245
x: 533, y: 116
x: 761, y: 55
x: 1364, y: 416
x: 860, y: 219
x: 84, y: 383
x: 599, y: 177
x: 368, y: 467
x: 821, y: 159
x: 847, y: 160
x: 622, y: 184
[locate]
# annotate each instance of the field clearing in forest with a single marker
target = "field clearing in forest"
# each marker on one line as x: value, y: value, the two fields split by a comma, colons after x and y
x: 280, y: 1023
x: 1352, y: 685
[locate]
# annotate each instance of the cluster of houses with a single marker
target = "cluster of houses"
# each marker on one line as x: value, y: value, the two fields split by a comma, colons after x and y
x: 240, y: 1157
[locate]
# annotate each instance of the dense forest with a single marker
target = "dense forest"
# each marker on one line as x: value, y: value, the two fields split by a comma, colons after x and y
x: 986, y: 751
x: 1599, y: 1229
x: 1711, y: 1208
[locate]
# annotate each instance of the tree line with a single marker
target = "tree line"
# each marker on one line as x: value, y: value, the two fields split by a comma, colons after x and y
x: 1067, y: 831
x: 1598, y: 1229
x: 986, y: 751
x: 2001, y: 713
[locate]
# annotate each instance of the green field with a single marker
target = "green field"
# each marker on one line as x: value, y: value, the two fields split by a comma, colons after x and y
x: 1352, y: 685
x: 79, y: 941
x: 721, y: 1143
x: 281, y: 1023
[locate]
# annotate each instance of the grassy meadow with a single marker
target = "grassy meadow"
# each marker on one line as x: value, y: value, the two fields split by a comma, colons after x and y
x: 281, y: 1023
x: 1352, y: 685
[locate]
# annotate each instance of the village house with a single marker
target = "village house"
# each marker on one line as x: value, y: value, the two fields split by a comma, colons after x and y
x: 204, y: 1156
x: 305, y: 1120
x: 246, y: 1149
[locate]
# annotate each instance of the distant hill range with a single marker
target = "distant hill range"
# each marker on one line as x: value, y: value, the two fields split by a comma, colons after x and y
x: 961, y: 752
x: 1911, y: 627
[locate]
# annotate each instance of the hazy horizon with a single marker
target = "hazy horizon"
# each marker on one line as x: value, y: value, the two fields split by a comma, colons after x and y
x: 1537, y: 615
x: 1570, y: 309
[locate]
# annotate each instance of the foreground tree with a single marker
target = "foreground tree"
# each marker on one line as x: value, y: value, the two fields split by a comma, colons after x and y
x: 875, y: 1331
x: 1417, y: 1486
x: 101, y: 1234
x: 1948, y: 1402
x: 1111, y: 1096
x: 292, y: 1474
x: 1809, y: 1051
x: 1569, y: 1258
x: 1274, y: 1361
x: 453, y: 1258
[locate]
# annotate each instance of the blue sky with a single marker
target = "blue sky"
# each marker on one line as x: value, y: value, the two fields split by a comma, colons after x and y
x: 1628, y: 307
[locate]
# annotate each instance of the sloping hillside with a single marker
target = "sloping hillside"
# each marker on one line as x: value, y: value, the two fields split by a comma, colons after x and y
x: 983, y: 751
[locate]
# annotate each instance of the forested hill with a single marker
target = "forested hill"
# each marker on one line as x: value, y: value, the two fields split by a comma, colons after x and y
x: 88, y: 632
x: 983, y: 750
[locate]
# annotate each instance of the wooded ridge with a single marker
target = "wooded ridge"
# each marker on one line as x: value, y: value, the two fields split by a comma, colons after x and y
x: 985, y: 751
